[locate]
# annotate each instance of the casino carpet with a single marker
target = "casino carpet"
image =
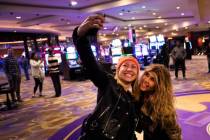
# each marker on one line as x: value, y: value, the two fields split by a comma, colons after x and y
x: 60, y: 118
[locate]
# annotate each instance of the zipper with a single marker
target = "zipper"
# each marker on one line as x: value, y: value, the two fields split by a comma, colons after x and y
x: 113, y: 111
x: 107, y: 108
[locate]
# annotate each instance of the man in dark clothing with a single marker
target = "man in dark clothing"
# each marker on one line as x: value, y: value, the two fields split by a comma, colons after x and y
x: 53, y: 67
x: 165, y: 55
x: 13, y: 73
x: 179, y: 54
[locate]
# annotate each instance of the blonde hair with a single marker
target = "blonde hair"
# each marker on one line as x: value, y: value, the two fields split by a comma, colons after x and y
x: 160, y: 104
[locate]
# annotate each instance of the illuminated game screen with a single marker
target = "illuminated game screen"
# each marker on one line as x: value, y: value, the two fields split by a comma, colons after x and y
x: 160, y: 38
x: 71, y: 50
x: 153, y: 38
x: 73, y: 64
x: 115, y: 59
x: 116, y: 50
x: 71, y: 56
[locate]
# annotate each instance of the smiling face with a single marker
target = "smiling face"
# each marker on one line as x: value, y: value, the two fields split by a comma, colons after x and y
x: 147, y: 83
x: 128, y: 72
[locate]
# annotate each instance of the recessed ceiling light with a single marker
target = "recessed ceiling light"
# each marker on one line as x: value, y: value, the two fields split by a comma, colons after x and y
x: 18, y: 17
x: 120, y: 13
x: 159, y: 17
x: 154, y: 13
x: 209, y: 21
x: 182, y: 14
x: 157, y: 27
x: 177, y: 7
x: 145, y: 26
x: 105, y: 28
x: 73, y: 3
x: 125, y: 27
x: 165, y: 24
x: 133, y: 18
x: 140, y: 28
x: 143, y: 7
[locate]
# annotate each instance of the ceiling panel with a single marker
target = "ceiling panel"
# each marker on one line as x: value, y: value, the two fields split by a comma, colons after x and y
x: 159, y: 16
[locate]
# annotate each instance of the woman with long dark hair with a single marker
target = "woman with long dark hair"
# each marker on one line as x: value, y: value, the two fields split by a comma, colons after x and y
x: 157, y: 113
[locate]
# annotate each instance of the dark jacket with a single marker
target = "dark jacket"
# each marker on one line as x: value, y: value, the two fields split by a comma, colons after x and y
x: 114, y: 116
x: 153, y: 130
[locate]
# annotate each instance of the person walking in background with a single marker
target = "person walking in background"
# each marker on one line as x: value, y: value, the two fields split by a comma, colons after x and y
x: 208, y: 56
x: 179, y: 54
x: 156, y: 105
x: 25, y: 66
x: 37, y: 71
x: 13, y: 73
x: 114, y: 116
x: 53, y: 68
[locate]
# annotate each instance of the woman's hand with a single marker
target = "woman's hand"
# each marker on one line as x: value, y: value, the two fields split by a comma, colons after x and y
x: 90, y: 23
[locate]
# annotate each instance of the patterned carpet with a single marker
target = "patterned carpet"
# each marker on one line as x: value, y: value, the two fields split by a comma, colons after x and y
x: 60, y: 118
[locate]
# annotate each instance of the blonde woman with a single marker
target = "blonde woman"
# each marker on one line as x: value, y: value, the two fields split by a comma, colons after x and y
x: 115, y: 116
x: 37, y: 71
x: 156, y: 109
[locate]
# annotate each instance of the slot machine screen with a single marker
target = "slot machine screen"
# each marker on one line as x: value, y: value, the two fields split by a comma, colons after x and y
x: 153, y: 38
x: 116, y: 50
x: 73, y: 64
x: 160, y: 38
x: 115, y: 59
x: 71, y: 56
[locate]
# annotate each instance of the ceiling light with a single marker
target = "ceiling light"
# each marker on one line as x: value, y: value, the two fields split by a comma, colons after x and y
x: 182, y: 14
x: 18, y: 17
x: 209, y: 21
x: 105, y: 28
x: 186, y: 27
x: 143, y: 7
x: 154, y: 13
x: 68, y: 22
x: 157, y: 27
x: 145, y: 26
x: 177, y: 7
x: 140, y: 28
x: 133, y: 18
x: 129, y: 25
x: 15, y: 31
x: 159, y: 17
x: 73, y: 3
x: 165, y: 24
x: 121, y: 14
x: 125, y: 27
